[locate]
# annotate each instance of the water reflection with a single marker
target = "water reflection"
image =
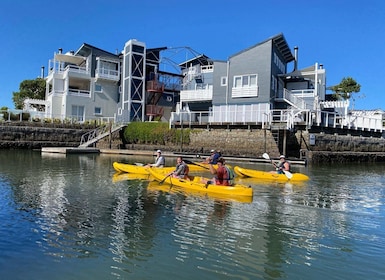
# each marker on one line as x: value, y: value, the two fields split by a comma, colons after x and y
x: 77, y: 211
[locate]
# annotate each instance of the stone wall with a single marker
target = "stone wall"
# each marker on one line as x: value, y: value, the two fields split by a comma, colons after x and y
x: 232, y: 142
x: 36, y: 137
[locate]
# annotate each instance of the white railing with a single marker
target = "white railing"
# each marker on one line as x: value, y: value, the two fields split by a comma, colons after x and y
x: 61, y: 67
x: 297, y: 99
x: 269, y: 118
x: 105, y: 73
x: 79, y: 92
x: 197, y: 95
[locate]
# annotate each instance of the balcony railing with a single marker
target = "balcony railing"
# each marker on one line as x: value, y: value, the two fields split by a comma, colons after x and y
x: 107, y: 74
x: 79, y: 92
x: 203, y: 94
x: 275, y: 118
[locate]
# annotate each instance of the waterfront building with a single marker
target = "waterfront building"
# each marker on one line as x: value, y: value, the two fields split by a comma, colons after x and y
x: 261, y: 86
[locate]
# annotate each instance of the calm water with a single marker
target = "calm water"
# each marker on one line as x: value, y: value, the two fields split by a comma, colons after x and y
x: 70, y: 218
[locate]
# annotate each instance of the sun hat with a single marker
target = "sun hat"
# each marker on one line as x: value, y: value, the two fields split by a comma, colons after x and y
x: 281, y: 156
x: 212, y: 151
x: 159, y: 151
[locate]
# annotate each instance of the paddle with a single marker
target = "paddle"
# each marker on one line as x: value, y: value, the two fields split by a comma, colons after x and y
x: 164, y: 179
x: 288, y: 174
x: 197, y: 164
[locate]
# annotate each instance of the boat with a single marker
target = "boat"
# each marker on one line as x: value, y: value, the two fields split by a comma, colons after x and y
x: 142, y: 169
x: 124, y: 176
x: 155, y: 187
x: 194, y: 184
x: 268, y: 176
x: 137, y: 169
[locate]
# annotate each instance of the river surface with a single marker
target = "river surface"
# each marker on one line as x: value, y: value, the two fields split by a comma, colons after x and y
x: 71, y: 217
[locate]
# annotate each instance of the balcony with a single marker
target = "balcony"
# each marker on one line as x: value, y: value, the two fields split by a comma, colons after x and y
x: 155, y: 86
x: 203, y: 94
x: 79, y: 92
x: 107, y: 74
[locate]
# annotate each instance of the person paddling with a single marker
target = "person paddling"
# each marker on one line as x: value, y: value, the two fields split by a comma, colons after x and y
x: 181, y: 170
x: 282, y: 165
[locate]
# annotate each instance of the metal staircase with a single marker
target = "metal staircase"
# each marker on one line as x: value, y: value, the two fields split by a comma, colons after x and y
x: 95, y: 135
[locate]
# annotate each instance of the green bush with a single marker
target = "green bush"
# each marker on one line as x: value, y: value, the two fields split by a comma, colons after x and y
x: 157, y: 133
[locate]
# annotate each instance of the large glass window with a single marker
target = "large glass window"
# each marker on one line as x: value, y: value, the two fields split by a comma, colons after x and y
x: 245, y: 86
x: 78, y: 113
x: 245, y: 81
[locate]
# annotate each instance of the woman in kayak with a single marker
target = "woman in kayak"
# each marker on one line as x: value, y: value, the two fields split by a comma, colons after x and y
x: 181, y: 169
x: 223, y: 175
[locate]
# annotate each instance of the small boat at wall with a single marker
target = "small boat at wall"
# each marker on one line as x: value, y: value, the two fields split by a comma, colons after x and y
x: 268, y: 176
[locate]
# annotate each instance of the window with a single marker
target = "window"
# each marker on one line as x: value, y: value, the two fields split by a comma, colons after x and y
x: 245, y: 81
x: 98, y: 111
x: 98, y: 88
x: 245, y: 86
x: 237, y: 82
x: 78, y: 113
x: 223, y: 81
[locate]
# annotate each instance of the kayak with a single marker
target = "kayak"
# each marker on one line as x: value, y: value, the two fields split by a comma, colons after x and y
x: 142, y: 169
x: 124, y: 176
x: 137, y: 169
x: 194, y: 184
x: 265, y: 175
x: 155, y: 187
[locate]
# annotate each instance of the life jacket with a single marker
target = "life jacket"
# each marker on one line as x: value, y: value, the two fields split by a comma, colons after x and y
x: 230, y: 175
x: 186, y: 169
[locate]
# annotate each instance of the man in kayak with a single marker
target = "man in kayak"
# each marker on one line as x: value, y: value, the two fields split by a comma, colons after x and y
x: 213, y: 158
x: 181, y: 169
x: 160, y: 161
x: 282, y: 165
x: 223, y: 175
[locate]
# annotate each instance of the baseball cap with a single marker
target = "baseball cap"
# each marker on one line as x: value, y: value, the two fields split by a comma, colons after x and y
x: 212, y: 151
x: 159, y: 151
x: 281, y: 156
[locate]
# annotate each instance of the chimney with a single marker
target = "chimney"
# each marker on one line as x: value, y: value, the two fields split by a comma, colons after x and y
x: 295, y: 58
x: 60, y: 50
x: 321, y: 66
x: 42, y: 72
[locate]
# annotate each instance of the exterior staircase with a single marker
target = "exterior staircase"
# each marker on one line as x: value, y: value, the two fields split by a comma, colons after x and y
x: 95, y: 135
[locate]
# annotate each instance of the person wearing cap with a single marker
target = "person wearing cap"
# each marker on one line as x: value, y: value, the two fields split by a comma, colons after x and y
x: 281, y: 166
x: 213, y: 158
x: 223, y: 175
x: 160, y: 161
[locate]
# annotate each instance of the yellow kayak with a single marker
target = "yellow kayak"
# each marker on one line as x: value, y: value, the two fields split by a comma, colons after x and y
x: 155, y: 187
x: 141, y: 169
x: 137, y: 169
x: 263, y: 175
x: 124, y: 176
x: 195, y: 184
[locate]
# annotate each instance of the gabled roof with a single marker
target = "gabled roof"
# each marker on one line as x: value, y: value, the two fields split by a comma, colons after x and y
x: 85, y: 48
x: 201, y: 60
x: 280, y: 43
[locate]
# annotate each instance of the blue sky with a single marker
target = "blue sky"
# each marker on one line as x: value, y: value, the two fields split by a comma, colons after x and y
x: 347, y: 37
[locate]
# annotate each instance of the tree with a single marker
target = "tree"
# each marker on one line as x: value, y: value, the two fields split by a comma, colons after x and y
x: 34, y: 89
x: 345, y: 88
